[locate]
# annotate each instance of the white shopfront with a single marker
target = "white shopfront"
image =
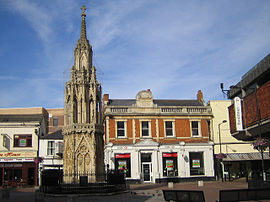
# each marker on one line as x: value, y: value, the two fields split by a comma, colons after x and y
x: 148, y: 161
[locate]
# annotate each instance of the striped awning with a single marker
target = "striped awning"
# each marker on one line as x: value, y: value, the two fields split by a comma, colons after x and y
x: 246, y: 156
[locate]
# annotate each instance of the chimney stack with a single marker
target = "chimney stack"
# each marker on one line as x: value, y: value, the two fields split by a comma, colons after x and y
x: 200, y: 96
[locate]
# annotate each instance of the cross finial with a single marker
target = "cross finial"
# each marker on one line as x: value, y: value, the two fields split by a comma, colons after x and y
x: 83, y: 10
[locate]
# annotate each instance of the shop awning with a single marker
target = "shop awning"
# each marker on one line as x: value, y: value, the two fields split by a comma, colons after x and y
x: 246, y: 156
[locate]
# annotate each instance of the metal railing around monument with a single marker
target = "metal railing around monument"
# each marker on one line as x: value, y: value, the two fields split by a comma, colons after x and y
x: 85, y: 182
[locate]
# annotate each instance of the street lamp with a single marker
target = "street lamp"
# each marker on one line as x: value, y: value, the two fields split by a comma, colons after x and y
x: 224, y: 121
x: 221, y: 163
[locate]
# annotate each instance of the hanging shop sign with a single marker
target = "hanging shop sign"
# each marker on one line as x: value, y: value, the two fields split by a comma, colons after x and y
x: 238, y: 113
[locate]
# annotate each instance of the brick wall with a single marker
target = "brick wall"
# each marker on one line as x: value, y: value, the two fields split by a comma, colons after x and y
x: 182, y: 132
x: 249, y: 107
x: 56, y: 113
x: 182, y: 127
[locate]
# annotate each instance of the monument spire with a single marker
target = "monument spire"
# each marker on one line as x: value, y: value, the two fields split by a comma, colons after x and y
x: 83, y: 51
x: 83, y: 128
x: 83, y: 25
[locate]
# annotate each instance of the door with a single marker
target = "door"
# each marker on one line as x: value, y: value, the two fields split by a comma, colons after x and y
x: 31, y: 176
x: 147, y: 172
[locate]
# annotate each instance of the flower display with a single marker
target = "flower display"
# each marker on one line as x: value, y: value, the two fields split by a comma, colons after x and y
x: 221, y: 156
x: 261, y: 144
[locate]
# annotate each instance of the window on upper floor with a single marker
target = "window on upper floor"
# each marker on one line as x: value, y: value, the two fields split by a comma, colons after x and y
x: 51, y: 148
x: 55, y: 121
x: 120, y: 129
x: 22, y: 140
x: 145, y: 128
x: 195, y: 129
x: 169, y: 128
x: 6, y: 141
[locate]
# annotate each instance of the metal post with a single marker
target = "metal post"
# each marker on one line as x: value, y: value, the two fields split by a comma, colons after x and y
x: 221, y: 163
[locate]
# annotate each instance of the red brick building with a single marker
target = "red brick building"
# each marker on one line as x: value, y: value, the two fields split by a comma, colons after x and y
x: 253, y: 88
x: 152, y: 140
x: 250, y: 111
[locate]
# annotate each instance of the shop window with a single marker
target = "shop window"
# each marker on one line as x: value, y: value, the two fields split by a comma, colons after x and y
x: 121, y: 132
x: 122, y: 164
x: 196, y: 163
x: 13, y: 172
x: 169, y: 129
x: 195, y: 128
x: 22, y: 140
x: 169, y: 164
x: 50, y: 148
x: 145, y: 129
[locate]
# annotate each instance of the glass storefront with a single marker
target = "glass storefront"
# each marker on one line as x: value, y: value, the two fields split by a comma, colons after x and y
x: 169, y: 164
x: 196, y: 163
x: 122, y: 163
x: 14, y: 174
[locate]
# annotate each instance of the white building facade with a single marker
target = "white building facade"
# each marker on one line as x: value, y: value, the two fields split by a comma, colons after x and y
x: 158, y: 140
x: 20, y: 130
x: 51, y: 152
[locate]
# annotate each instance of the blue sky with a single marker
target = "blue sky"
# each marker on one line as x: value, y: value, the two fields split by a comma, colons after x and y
x: 173, y: 47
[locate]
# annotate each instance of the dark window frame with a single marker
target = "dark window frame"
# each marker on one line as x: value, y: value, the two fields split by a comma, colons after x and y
x: 195, y: 129
x: 196, y: 169
x: 51, y: 148
x: 145, y: 126
x: 120, y: 131
x: 127, y: 169
x: 169, y: 130
x: 18, y: 140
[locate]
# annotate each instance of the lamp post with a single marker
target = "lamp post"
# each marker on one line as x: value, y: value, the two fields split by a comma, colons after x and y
x: 221, y: 163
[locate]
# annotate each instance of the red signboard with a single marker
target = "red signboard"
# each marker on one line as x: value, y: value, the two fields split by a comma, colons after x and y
x: 169, y: 154
x: 120, y: 156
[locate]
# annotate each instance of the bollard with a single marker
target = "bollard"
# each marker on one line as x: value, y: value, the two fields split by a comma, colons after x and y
x: 200, y: 183
x: 170, y: 184
x: 5, y: 193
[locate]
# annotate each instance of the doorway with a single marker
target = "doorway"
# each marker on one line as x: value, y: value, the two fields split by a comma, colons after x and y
x: 146, y: 159
x: 147, y: 172
x: 31, y: 176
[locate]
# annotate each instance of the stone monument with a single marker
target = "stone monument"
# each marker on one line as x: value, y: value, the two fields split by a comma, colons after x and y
x: 83, y: 129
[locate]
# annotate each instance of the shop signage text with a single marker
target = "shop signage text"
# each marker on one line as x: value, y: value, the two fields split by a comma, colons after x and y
x: 238, y: 113
x: 10, y: 154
